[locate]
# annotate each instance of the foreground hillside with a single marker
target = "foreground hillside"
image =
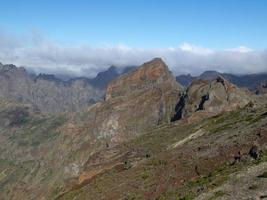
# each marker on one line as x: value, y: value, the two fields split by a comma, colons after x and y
x: 223, y: 157
x: 149, y: 139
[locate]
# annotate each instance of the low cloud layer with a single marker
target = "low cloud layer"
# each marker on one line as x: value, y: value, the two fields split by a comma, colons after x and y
x: 42, y: 55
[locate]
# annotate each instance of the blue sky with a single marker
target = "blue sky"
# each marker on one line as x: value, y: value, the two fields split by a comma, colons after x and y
x: 81, y: 38
x: 216, y: 24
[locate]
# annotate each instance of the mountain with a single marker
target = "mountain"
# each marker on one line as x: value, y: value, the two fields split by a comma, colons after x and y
x: 138, y: 100
x: 211, y: 97
x: 50, y: 153
x: 51, y: 94
x: 46, y: 92
x: 250, y: 81
x: 209, y: 75
x: 103, y: 78
x: 149, y: 138
x: 185, y: 80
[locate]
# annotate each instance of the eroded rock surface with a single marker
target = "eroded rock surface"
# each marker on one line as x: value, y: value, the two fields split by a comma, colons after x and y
x: 136, y: 101
x: 46, y: 92
x: 213, y: 97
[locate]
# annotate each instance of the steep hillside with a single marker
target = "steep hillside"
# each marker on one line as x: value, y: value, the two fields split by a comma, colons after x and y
x: 46, y: 92
x: 201, y: 160
x: 138, y: 100
x: 44, y: 152
x: 129, y: 147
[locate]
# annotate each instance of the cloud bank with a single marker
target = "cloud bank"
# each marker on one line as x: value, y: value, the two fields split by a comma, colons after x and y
x: 39, y: 54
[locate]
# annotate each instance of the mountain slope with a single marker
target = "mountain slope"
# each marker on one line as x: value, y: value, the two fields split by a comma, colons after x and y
x: 158, y: 165
x: 126, y: 147
x: 45, y: 152
x: 103, y: 78
x: 46, y: 92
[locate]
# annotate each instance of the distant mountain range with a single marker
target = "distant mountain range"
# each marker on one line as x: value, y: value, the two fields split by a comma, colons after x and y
x: 48, y: 93
x: 250, y: 81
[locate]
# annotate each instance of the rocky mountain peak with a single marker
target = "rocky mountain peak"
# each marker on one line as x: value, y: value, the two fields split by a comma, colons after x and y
x: 46, y: 92
x: 209, y: 75
x: 103, y: 78
x: 136, y: 101
x: 212, y: 97
x: 11, y: 68
x: 152, y: 74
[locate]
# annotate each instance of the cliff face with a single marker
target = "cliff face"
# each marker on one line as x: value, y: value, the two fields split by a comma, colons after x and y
x: 46, y: 92
x: 137, y: 101
x: 211, y: 97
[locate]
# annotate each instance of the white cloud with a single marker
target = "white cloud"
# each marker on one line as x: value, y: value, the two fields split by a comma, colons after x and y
x: 42, y: 55
x: 241, y: 49
x: 195, y: 49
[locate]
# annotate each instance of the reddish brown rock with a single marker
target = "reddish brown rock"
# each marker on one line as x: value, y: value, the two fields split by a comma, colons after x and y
x: 137, y: 101
x: 151, y: 75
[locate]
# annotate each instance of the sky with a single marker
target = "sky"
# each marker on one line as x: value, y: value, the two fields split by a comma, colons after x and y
x: 82, y: 37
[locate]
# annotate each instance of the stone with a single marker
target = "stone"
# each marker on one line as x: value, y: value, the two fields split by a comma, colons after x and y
x: 211, y: 97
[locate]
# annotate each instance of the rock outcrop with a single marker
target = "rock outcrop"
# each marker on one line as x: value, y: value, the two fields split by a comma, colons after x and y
x: 262, y: 88
x: 212, y: 97
x: 136, y: 101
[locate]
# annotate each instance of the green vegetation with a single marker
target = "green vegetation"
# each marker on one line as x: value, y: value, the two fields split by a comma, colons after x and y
x: 3, y: 174
x: 145, y: 174
x: 216, y: 195
x: 37, y: 131
x: 186, y: 197
x: 157, y: 162
x: 227, y: 121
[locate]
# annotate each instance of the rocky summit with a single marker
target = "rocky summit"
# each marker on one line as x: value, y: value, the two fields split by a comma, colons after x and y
x: 211, y: 97
x: 136, y: 101
x: 149, y: 138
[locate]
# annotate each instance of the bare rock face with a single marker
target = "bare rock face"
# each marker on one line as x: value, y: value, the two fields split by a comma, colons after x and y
x: 213, y: 97
x: 46, y: 92
x: 262, y: 88
x: 151, y: 75
x: 136, y: 101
